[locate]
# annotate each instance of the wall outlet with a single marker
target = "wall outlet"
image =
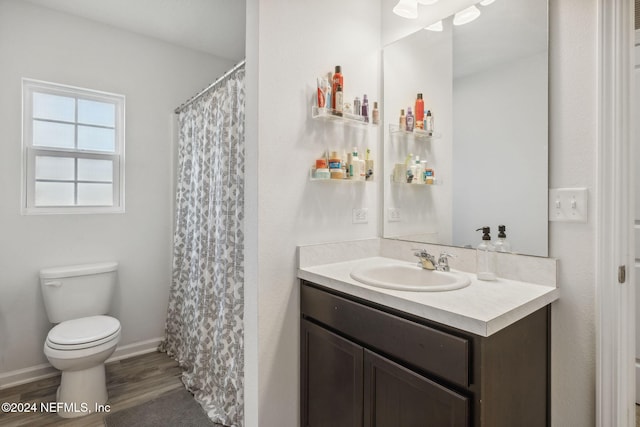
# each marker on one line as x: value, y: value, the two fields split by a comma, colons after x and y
x: 394, y: 215
x: 568, y: 204
x: 361, y: 216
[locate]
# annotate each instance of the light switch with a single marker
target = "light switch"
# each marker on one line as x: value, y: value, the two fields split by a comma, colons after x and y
x: 360, y: 216
x: 568, y: 204
x: 394, y: 215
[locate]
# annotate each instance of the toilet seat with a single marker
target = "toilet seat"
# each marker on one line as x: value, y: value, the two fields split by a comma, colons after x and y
x: 83, y: 333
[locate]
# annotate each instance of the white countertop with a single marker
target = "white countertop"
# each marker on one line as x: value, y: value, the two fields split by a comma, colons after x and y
x: 482, y: 308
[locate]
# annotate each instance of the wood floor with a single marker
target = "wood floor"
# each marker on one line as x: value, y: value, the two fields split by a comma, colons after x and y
x: 129, y: 382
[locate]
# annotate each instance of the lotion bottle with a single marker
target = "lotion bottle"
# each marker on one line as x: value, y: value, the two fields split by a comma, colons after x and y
x: 403, y: 120
x: 410, y: 120
x: 358, y: 166
x: 417, y: 171
x: 486, y: 257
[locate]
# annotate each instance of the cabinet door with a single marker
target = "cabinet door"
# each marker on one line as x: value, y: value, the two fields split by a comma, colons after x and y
x: 331, y: 379
x: 397, y: 397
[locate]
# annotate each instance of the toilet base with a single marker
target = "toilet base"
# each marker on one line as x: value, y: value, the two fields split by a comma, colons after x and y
x: 81, y: 392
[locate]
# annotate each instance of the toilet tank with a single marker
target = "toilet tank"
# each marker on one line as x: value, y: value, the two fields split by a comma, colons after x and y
x: 78, y: 290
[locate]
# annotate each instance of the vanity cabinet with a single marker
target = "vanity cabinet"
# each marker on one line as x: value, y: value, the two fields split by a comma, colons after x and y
x: 364, y: 364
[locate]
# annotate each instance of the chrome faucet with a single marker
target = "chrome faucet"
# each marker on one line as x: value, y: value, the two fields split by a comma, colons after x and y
x: 428, y: 261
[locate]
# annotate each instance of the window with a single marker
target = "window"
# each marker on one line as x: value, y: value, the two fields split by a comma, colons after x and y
x: 73, y: 149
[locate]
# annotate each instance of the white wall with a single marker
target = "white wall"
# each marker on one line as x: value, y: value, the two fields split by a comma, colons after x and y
x: 298, y: 41
x: 572, y: 162
x: 155, y: 77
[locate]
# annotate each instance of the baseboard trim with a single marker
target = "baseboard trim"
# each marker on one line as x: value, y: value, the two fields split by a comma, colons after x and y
x: 135, y: 349
x: 45, y: 370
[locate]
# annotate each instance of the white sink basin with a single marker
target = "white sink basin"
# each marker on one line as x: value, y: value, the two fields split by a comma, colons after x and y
x: 410, y: 277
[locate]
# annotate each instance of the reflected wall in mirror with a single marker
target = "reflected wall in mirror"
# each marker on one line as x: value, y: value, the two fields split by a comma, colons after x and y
x: 486, y: 83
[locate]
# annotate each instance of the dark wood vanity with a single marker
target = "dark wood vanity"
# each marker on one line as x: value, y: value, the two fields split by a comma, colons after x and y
x: 363, y: 364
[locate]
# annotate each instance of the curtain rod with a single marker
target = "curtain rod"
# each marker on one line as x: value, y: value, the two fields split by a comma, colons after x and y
x: 205, y: 90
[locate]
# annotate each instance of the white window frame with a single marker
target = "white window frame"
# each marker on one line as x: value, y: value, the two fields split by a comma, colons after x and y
x: 29, y: 151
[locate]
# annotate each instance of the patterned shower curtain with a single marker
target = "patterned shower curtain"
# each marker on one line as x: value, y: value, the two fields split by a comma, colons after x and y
x: 204, y: 330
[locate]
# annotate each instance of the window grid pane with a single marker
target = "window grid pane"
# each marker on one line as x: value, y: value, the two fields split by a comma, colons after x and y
x: 67, y: 131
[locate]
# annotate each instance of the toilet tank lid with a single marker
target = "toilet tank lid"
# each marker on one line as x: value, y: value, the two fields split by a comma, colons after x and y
x: 78, y: 270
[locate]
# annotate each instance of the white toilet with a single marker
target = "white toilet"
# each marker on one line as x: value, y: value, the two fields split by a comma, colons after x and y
x: 78, y: 298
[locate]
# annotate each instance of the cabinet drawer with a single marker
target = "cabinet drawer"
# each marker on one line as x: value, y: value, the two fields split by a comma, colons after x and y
x: 426, y: 348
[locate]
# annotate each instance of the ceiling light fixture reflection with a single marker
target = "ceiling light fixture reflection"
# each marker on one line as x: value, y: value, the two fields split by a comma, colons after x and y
x: 430, y: 2
x: 466, y: 15
x: 486, y: 2
x: 406, y: 9
x: 435, y: 27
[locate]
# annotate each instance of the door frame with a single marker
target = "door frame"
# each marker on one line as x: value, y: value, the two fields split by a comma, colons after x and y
x: 615, y: 302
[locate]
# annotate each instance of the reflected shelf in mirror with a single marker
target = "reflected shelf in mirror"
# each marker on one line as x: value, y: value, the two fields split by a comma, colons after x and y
x: 436, y: 181
x: 416, y: 133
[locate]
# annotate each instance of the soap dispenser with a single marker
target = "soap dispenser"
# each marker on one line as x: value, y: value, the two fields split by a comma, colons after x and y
x: 502, y: 245
x: 486, y: 256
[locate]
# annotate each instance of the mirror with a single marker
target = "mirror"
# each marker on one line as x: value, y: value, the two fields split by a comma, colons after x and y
x: 486, y: 83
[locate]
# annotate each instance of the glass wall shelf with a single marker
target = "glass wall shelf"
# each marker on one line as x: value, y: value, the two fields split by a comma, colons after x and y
x: 417, y: 133
x: 313, y: 178
x: 328, y: 114
x: 412, y: 184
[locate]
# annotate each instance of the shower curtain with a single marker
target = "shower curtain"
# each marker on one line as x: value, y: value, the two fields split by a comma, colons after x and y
x: 204, y: 330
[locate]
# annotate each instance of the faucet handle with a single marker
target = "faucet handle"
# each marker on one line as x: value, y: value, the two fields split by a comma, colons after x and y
x: 443, y: 261
x: 444, y: 255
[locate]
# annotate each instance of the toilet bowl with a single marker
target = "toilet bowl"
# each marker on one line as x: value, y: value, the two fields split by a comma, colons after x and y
x: 77, y: 299
x: 79, y: 348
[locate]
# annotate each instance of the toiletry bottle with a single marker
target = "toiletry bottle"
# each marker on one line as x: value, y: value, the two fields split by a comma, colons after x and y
x: 365, y: 108
x: 358, y: 166
x: 407, y: 166
x: 419, y: 112
x: 428, y: 122
x: 502, y: 245
x: 410, y: 120
x: 328, y: 92
x: 375, y: 114
x: 357, y: 106
x: 345, y: 164
x: 423, y: 168
x: 403, y: 120
x: 337, y: 80
x: 335, y: 166
x: 321, y: 99
x: 338, y: 100
x: 368, y: 165
x: 429, y: 176
x: 349, y: 167
x: 486, y: 257
x: 322, y: 172
x: 416, y: 170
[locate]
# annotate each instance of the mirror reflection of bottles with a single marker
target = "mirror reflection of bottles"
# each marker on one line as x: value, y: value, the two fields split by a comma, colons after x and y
x: 502, y: 245
x: 410, y: 120
x: 419, y: 112
x: 428, y: 122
